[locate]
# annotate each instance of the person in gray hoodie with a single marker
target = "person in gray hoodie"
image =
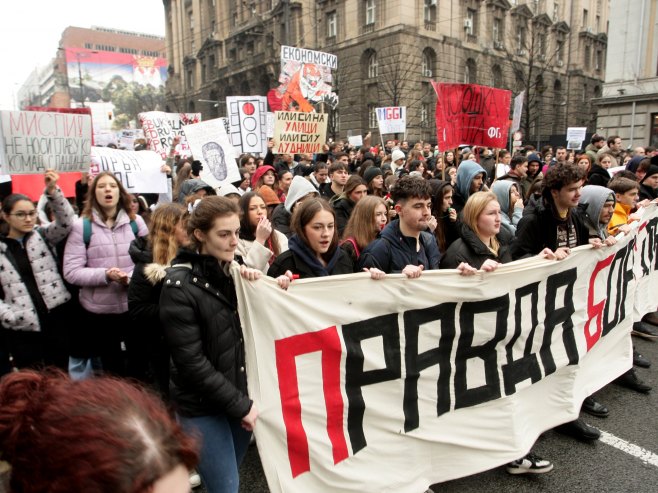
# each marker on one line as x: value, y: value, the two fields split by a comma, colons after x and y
x: 300, y: 188
x: 470, y: 179
x: 511, y: 205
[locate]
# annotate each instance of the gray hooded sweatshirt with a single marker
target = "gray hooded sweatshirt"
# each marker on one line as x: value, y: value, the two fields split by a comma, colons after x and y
x: 592, y: 199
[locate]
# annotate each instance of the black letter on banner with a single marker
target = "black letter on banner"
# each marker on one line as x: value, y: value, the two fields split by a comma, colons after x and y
x: 387, y: 328
x: 415, y: 363
x: 554, y: 317
x: 621, y: 273
x: 515, y: 371
x: 465, y: 397
x: 649, y: 248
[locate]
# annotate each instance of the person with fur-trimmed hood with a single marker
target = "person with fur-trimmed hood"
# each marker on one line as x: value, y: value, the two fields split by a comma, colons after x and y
x: 152, y: 255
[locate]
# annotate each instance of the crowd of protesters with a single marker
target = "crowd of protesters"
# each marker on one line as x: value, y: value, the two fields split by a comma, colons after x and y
x: 141, y: 286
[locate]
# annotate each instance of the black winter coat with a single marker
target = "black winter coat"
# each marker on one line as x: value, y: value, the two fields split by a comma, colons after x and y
x: 537, y: 230
x: 343, y: 208
x: 469, y: 248
x: 598, y: 175
x: 392, y: 251
x: 198, y: 309
x: 289, y: 260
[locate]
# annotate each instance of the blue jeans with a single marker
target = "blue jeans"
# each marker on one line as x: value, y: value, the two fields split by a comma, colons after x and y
x: 224, y: 444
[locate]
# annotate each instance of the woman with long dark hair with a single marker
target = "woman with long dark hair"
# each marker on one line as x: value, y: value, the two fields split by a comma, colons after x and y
x: 33, y: 297
x: 259, y: 242
x: 96, y: 259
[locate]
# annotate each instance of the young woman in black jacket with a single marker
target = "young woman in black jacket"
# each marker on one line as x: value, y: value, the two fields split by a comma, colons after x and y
x: 198, y: 310
x: 313, y: 249
x: 152, y: 256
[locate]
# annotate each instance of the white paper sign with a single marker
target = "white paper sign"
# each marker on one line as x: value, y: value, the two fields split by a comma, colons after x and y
x: 33, y: 141
x: 392, y: 120
x: 138, y: 171
x: 247, y: 117
x: 355, y: 140
x: 518, y: 109
x: 575, y: 137
x: 271, y: 117
x: 210, y: 145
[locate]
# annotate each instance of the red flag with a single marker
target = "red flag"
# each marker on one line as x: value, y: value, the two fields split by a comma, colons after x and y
x: 471, y: 114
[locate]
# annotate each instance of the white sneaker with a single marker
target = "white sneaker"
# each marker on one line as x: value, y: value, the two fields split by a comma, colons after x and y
x: 530, y: 464
x: 195, y: 479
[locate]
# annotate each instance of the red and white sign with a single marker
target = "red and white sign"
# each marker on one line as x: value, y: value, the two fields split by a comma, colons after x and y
x: 247, y: 116
x: 392, y: 119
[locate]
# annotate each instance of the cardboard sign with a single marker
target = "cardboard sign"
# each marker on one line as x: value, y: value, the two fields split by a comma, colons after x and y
x: 160, y: 128
x: 210, y: 145
x: 459, y: 378
x: 305, y: 80
x: 247, y: 116
x: 392, y: 120
x: 138, y: 171
x: 299, y: 133
x: 33, y: 141
x: 471, y: 114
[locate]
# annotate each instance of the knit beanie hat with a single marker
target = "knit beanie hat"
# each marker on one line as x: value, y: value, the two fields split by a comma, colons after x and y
x: 268, y: 195
x: 371, y: 173
x: 299, y: 187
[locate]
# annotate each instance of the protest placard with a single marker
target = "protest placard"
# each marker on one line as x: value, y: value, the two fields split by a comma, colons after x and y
x: 518, y: 110
x: 306, y: 80
x: 461, y: 377
x: 392, y: 120
x: 160, y: 128
x: 575, y: 137
x: 355, y: 140
x: 270, y: 124
x: 138, y: 171
x: 471, y: 114
x: 247, y: 116
x: 33, y: 141
x: 210, y: 145
x: 299, y: 133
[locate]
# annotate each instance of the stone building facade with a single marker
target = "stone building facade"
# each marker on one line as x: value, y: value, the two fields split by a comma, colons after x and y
x: 389, y: 50
x: 629, y: 104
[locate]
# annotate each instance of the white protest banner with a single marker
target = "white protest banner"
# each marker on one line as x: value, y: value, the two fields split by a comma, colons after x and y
x: 442, y: 376
x: 33, y: 141
x: 296, y: 132
x: 138, y: 171
x: 518, y: 109
x: 575, y: 137
x: 392, y: 120
x: 247, y: 117
x: 210, y: 145
x: 355, y: 140
x: 646, y: 262
x: 160, y: 128
x: 127, y: 139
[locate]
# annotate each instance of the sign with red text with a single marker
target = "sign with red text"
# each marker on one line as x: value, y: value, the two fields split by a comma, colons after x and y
x: 392, y: 120
x: 33, y: 141
x: 138, y: 171
x: 296, y: 132
x: 160, y: 128
x: 459, y: 378
x: 247, y: 117
x: 469, y: 114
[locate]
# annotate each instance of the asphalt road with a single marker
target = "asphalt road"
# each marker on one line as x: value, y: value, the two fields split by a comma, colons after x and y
x: 597, y: 467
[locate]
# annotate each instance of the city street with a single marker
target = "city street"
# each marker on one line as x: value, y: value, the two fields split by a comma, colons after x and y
x: 624, y: 460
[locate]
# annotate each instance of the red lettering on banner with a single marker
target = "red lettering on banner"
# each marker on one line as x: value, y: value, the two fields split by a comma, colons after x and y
x: 328, y: 342
x: 595, y: 311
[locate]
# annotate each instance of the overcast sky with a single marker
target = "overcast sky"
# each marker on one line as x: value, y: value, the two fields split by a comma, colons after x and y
x: 31, y: 30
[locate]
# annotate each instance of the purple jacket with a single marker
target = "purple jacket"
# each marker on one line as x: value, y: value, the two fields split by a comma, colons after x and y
x: 85, y: 267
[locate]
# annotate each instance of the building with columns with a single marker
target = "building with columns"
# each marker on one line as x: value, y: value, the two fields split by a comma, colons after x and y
x: 389, y: 50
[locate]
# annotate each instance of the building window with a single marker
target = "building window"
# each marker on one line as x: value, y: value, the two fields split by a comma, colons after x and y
x: 426, y: 65
x: 331, y: 24
x: 191, y: 20
x: 585, y: 18
x: 213, y: 27
x: 654, y: 130
x: 560, y: 52
x: 556, y: 11
x: 88, y: 46
x: 373, y: 68
x: 429, y: 11
x: 424, y: 115
x: 584, y: 93
x: 370, y: 12
x: 470, y: 25
x: 189, y: 79
x: 587, y: 55
x: 470, y: 72
x: 520, y: 40
x: 497, y: 74
x: 598, y: 61
x: 497, y: 31
x: 372, y: 116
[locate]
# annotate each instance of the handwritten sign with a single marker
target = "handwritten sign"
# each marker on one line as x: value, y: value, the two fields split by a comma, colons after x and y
x: 33, y: 141
x: 138, y: 171
x: 299, y: 133
x: 392, y: 120
x: 471, y: 114
x: 247, y: 117
x: 160, y: 128
x: 210, y: 144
